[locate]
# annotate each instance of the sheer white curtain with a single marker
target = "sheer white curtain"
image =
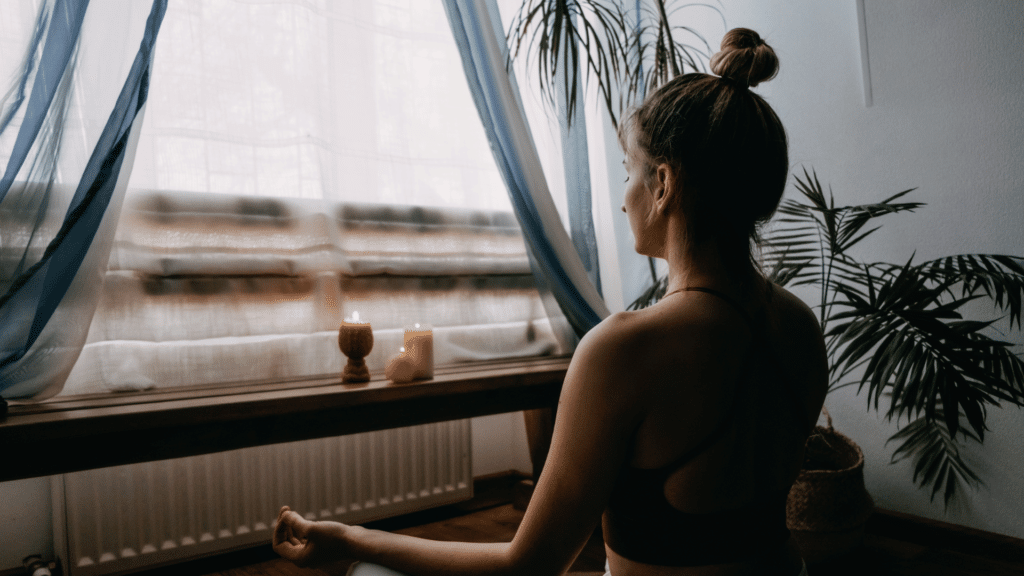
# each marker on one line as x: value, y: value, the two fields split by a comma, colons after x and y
x: 342, y: 100
x: 302, y: 160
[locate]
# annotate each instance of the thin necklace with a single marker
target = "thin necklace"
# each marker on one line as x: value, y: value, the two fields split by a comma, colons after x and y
x: 675, y: 292
x: 689, y: 288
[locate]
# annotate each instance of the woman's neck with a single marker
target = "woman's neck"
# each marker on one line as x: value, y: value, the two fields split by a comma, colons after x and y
x: 706, y: 266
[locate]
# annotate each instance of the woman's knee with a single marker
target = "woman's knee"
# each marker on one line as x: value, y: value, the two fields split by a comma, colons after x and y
x: 368, y: 569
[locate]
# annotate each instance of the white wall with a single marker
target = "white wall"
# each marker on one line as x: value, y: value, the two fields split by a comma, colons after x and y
x: 25, y: 521
x: 499, y: 445
x: 948, y: 118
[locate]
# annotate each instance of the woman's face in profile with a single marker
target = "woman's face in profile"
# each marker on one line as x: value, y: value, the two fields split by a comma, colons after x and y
x: 637, y: 204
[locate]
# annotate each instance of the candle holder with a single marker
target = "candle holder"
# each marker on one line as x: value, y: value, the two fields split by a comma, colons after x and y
x: 355, y: 340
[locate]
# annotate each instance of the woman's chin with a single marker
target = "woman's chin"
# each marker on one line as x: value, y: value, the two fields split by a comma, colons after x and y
x: 644, y: 251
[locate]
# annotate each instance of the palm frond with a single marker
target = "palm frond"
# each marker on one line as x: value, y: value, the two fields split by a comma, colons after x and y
x: 999, y: 276
x: 789, y: 251
x: 936, y: 456
x: 921, y: 351
x: 854, y: 218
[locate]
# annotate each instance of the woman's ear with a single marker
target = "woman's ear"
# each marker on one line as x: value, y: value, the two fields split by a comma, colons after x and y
x: 667, y: 183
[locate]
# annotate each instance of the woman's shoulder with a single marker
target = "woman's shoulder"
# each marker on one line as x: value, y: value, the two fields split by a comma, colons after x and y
x: 643, y: 335
x: 629, y: 340
x: 792, y: 314
x: 799, y: 346
x: 619, y: 334
x: 699, y: 311
x: 671, y: 336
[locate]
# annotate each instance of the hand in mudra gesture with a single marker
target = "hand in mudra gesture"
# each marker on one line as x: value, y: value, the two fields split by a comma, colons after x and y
x: 308, y: 543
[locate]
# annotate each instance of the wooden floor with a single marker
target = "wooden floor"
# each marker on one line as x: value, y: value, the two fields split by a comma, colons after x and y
x: 882, y: 556
x: 894, y: 545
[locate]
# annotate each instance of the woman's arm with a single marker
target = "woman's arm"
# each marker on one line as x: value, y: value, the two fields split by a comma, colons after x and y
x: 308, y: 543
x: 598, y: 412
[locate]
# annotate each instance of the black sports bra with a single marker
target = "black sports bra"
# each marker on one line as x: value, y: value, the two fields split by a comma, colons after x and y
x: 640, y: 524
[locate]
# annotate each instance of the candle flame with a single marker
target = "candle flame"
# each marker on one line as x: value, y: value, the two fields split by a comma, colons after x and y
x: 417, y: 324
x: 402, y: 349
x: 355, y: 316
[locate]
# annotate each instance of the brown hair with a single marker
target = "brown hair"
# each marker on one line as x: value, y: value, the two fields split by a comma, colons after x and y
x: 726, y: 142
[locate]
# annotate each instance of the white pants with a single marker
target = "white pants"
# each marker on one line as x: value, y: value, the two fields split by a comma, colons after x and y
x: 367, y: 569
x: 803, y: 569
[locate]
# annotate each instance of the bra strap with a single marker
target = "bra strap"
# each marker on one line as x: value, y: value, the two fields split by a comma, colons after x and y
x: 726, y: 421
x: 789, y: 391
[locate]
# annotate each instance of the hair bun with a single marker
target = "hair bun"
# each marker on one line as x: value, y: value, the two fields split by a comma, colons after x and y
x: 745, y: 58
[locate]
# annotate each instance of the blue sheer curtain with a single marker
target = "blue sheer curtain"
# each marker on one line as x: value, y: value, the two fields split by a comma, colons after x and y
x: 576, y: 163
x: 60, y: 198
x: 561, y: 274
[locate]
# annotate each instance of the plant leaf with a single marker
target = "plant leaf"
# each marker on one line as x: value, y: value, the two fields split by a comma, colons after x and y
x: 936, y: 456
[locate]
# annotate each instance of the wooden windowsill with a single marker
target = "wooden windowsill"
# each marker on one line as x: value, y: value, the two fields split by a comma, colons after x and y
x: 67, y: 434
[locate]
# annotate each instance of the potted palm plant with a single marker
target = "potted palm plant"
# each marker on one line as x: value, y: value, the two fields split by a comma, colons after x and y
x: 897, y: 331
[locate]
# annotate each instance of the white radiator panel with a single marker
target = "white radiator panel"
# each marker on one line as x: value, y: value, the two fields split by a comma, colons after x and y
x: 128, y: 518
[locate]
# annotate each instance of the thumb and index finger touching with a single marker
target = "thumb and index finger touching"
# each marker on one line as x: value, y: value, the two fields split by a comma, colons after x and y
x: 291, y: 527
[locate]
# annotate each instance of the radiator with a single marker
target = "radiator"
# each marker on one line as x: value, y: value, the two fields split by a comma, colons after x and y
x: 128, y: 518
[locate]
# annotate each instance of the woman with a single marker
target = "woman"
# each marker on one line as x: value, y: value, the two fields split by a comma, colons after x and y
x: 681, y: 426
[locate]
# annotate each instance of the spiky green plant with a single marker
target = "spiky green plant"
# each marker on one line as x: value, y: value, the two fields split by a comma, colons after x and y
x: 898, y: 331
x: 625, y: 52
x: 628, y: 52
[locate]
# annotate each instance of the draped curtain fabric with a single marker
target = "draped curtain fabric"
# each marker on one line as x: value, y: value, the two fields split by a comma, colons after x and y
x: 68, y: 129
x: 560, y: 272
x: 300, y: 162
x: 575, y: 159
x: 339, y: 100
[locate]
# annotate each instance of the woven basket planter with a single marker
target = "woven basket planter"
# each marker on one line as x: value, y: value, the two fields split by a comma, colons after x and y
x: 828, y: 504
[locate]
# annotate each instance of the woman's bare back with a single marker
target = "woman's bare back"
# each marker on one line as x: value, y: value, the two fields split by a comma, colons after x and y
x: 706, y: 346
x: 766, y: 382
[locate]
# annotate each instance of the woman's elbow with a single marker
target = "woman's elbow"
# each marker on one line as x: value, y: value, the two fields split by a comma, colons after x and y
x: 535, y: 562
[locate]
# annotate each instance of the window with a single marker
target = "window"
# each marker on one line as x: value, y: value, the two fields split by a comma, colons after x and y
x: 301, y: 160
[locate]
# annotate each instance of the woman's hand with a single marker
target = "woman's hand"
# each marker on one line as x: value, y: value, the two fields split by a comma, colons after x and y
x: 308, y: 543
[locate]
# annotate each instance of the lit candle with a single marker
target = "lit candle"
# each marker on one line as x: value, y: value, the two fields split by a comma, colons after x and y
x: 355, y: 338
x: 419, y: 341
